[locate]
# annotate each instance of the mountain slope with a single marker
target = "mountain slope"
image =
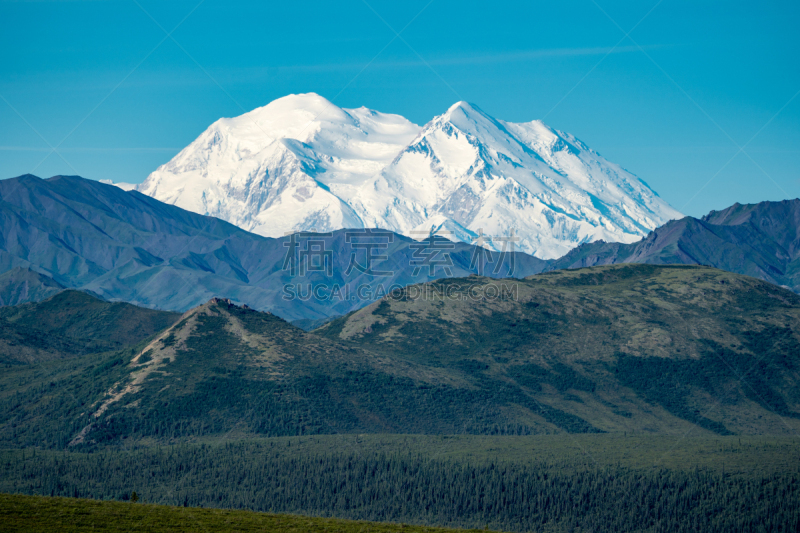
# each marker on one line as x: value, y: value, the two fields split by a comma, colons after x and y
x: 225, y: 368
x: 469, y: 170
x: 302, y: 163
x: 759, y: 240
x: 629, y: 347
x: 131, y: 247
x: 21, y: 285
x: 268, y: 169
x: 74, y: 323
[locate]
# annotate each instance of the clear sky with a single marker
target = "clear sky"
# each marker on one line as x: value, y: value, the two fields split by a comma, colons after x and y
x: 700, y: 99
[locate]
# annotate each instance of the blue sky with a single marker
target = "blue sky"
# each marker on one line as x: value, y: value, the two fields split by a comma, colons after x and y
x: 700, y: 99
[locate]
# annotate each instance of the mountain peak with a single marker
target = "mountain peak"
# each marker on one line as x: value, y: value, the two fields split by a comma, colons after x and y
x: 309, y: 102
x: 464, y: 106
x: 25, y: 177
x: 359, y: 168
x: 302, y: 99
x: 225, y: 302
x: 463, y: 113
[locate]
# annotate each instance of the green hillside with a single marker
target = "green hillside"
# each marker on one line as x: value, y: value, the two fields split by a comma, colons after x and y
x: 34, y: 514
x: 73, y: 323
x: 625, y: 348
x: 629, y: 348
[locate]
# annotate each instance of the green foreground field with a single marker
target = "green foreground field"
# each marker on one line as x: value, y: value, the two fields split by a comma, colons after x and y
x: 37, y: 514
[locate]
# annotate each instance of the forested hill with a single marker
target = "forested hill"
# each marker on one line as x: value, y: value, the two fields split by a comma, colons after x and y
x: 629, y: 348
x: 73, y: 323
x: 625, y: 347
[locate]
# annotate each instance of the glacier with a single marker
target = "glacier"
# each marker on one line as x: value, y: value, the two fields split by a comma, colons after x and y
x: 302, y: 163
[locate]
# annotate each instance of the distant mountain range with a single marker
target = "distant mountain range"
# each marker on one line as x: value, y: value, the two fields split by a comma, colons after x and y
x: 303, y: 164
x: 69, y: 232
x: 22, y: 285
x: 637, y: 348
x: 759, y: 240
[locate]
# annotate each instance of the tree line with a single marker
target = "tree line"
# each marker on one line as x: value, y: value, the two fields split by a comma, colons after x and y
x: 272, y: 476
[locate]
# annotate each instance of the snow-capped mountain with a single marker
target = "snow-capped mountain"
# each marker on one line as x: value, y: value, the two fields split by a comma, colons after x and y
x: 302, y: 163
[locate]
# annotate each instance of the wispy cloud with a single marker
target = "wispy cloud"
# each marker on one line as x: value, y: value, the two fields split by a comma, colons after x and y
x: 478, y: 58
x: 81, y: 80
x: 528, y: 55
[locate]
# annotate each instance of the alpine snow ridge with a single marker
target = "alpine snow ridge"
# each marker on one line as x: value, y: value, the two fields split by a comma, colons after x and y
x: 301, y: 163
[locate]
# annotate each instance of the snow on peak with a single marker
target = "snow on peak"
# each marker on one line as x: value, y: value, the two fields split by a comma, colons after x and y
x: 122, y: 185
x: 462, y: 108
x: 302, y: 163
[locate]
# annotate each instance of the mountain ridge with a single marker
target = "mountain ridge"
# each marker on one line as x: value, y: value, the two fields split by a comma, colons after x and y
x: 68, y: 232
x: 23, y: 285
x: 760, y: 240
x: 128, y: 246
